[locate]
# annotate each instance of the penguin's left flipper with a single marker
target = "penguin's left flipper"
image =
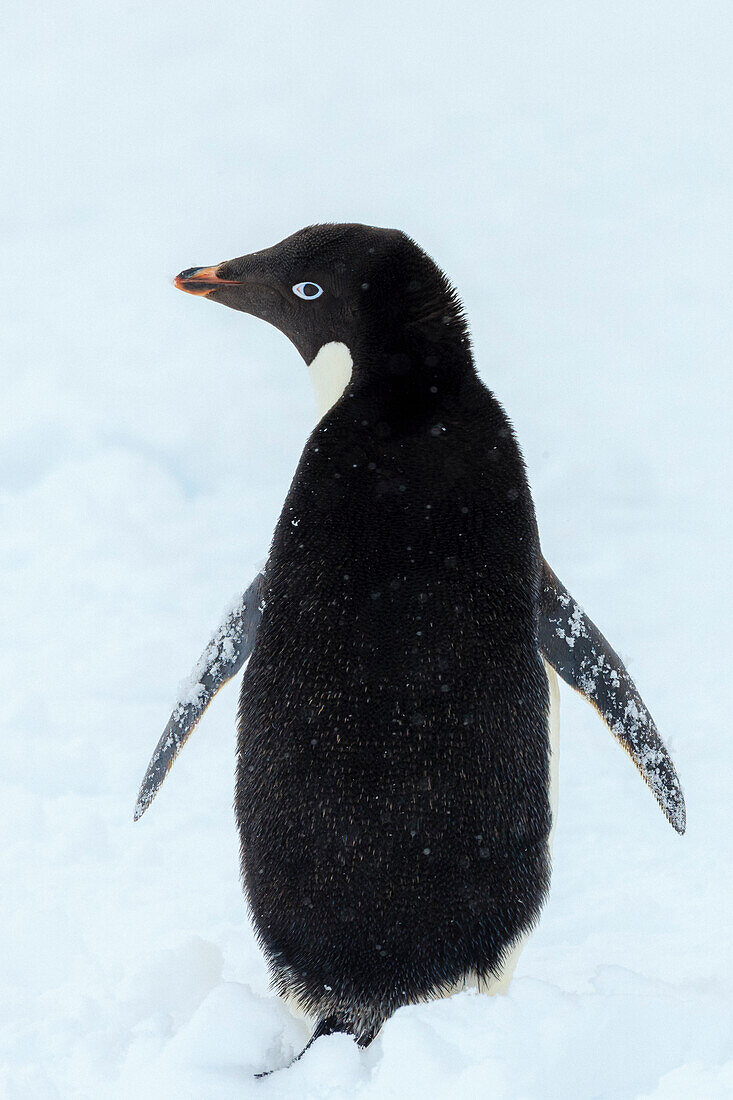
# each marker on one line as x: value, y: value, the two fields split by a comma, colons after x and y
x: 579, y: 653
x: 223, y: 657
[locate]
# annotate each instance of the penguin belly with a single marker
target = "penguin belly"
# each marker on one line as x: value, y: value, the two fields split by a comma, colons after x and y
x: 393, y: 783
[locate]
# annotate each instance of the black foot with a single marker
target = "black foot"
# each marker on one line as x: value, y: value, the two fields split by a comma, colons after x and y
x: 327, y: 1026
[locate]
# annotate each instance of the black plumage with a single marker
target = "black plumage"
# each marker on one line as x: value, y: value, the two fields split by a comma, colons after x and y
x: 392, y: 775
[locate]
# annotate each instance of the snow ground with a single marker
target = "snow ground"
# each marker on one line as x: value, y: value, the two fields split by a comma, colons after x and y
x: 569, y: 165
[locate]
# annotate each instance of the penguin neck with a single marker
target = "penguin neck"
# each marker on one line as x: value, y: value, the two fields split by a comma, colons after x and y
x: 423, y: 367
x: 414, y: 371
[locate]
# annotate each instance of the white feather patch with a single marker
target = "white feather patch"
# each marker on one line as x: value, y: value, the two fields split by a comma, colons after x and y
x: 330, y: 374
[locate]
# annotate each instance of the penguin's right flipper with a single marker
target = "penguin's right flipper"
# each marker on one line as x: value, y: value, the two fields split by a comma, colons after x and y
x: 223, y: 657
x: 579, y: 653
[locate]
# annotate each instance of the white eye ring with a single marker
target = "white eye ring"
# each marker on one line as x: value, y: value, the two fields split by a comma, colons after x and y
x: 308, y: 290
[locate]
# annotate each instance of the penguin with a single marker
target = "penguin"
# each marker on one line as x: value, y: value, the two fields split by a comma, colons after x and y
x: 395, y: 772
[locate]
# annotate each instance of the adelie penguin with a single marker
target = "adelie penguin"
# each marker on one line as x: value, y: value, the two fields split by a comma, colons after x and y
x: 395, y: 765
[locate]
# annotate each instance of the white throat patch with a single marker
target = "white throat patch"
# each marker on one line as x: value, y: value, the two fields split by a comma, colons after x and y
x: 330, y: 374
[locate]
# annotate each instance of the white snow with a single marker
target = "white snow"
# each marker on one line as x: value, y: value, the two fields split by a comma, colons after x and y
x: 569, y: 166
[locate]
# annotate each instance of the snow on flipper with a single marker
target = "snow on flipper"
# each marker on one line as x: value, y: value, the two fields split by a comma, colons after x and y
x: 579, y: 653
x: 223, y: 657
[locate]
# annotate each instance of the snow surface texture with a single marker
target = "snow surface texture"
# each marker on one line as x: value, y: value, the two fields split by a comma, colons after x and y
x: 569, y: 165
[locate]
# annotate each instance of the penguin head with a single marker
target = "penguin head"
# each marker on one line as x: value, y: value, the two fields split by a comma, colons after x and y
x: 372, y: 290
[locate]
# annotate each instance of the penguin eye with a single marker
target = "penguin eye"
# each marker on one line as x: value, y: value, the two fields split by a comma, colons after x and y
x: 308, y: 290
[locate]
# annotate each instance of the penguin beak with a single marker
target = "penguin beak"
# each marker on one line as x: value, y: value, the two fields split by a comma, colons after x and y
x: 201, y: 280
x: 249, y: 285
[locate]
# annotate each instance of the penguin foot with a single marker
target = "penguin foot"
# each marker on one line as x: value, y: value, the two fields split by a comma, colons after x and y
x: 329, y: 1025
